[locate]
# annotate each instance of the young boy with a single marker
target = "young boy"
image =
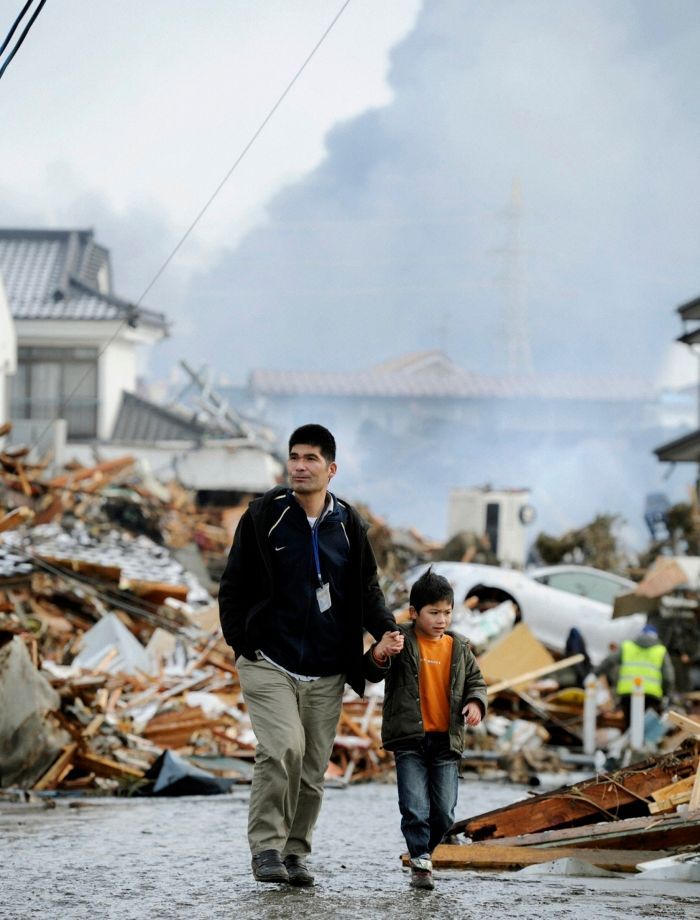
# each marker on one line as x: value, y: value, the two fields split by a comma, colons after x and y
x: 432, y: 687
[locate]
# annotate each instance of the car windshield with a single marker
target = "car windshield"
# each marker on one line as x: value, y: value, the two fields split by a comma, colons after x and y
x: 585, y: 584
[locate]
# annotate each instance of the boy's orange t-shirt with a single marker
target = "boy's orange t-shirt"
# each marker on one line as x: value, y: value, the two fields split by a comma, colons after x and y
x: 435, y: 657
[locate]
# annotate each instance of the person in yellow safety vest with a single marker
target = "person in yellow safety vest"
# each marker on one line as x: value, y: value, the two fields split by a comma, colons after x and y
x: 646, y: 658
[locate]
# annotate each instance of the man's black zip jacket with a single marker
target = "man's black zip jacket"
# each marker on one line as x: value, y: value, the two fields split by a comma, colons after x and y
x: 267, y: 595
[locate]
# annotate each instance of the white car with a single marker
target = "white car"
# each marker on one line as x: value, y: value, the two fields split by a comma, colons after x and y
x: 583, y: 581
x: 551, y: 600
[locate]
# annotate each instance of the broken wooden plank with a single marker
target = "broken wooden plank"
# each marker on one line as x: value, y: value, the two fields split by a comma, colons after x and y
x: 15, y: 518
x: 51, y: 776
x: 533, y: 675
x: 669, y: 794
x: 106, y: 660
x: 670, y: 803
x: 113, y: 699
x: 155, y: 592
x: 691, y: 726
x: 648, y: 833
x: 622, y: 794
x: 694, y: 802
x: 94, y: 726
x: 222, y: 660
x: 486, y: 856
x: 26, y: 485
x: 111, y: 573
x: 103, y: 766
x: 68, y: 480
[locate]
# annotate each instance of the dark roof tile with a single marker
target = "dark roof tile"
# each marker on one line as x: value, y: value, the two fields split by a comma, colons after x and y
x: 63, y: 274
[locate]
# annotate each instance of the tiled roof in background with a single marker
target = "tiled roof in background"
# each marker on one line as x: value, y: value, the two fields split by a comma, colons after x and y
x: 31, y: 269
x: 63, y: 274
x: 431, y: 375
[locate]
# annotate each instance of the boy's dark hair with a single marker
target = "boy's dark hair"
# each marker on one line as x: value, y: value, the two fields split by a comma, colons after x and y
x: 429, y: 589
x: 316, y: 436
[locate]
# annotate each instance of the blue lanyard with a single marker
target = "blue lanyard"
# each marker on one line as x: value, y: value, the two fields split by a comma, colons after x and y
x: 314, y: 545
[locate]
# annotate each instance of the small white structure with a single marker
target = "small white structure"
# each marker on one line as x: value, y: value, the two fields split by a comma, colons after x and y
x: 8, y: 352
x: 77, y: 341
x: 502, y: 515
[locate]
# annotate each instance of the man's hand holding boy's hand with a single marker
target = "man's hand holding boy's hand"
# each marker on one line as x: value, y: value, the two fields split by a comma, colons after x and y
x: 389, y: 645
x: 472, y: 713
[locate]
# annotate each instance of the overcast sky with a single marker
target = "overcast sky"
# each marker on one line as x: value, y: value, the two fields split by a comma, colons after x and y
x: 369, y: 219
x: 395, y: 241
x: 126, y: 116
x: 370, y: 212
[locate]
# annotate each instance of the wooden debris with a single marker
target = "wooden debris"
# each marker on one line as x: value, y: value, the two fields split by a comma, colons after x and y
x: 52, y: 776
x: 691, y: 726
x: 15, y: 518
x: 669, y: 797
x: 104, y: 766
x: 529, y: 676
x: 111, y: 573
x: 516, y: 652
x: 101, y: 471
x: 648, y: 833
x: 488, y: 856
x: 694, y: 801
x: 624, y: 793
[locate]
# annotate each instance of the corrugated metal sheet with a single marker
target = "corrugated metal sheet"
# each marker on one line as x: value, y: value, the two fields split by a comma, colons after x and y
x: 139, y: 420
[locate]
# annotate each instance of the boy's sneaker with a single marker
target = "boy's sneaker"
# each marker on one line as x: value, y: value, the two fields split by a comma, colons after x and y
x: 422, y: 872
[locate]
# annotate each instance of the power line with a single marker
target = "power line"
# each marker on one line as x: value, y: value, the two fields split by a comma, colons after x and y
x: 205, y: 208
x: 14, y: 26
x: 245, y: 150
x: 22, y: 36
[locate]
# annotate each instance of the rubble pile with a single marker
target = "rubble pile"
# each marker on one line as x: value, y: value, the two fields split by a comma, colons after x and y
x: 114, y: 677
x: 114, y: 674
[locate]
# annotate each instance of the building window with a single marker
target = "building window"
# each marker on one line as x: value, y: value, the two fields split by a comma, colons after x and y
x: 57, y: 383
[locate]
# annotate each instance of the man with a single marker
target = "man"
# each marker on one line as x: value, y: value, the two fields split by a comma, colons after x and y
x: 299, y: 587
x: 643, y: 657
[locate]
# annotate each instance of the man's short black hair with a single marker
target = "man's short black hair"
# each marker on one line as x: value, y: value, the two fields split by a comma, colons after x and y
x: 430, y: 589
x: 316, y: 436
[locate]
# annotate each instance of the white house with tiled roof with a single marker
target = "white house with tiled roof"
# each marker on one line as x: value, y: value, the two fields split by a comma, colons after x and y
x: 77, y: 342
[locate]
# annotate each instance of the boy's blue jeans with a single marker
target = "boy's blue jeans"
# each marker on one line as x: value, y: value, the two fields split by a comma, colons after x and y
x: 427, y: 775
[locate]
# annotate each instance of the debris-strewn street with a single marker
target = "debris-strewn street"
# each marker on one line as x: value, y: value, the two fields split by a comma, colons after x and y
x: 188, y: 858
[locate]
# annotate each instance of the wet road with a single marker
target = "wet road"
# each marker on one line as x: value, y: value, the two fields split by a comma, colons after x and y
x: 188, y: 858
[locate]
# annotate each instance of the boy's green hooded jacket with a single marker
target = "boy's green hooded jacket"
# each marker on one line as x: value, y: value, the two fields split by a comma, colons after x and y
x: 401, y: 716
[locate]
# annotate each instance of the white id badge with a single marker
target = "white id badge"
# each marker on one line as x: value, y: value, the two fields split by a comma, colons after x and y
x: 323, y: 596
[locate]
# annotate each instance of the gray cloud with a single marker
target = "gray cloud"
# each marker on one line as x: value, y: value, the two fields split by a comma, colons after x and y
x: 592, y: 108
x: 392, y: 243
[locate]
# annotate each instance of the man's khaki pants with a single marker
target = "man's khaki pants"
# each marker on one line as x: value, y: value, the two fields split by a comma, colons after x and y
x: 295, y: 723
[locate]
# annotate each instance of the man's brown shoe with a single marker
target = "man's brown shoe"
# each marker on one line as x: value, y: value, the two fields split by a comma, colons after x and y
x: 268, y: 867
x: 297, y: 871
